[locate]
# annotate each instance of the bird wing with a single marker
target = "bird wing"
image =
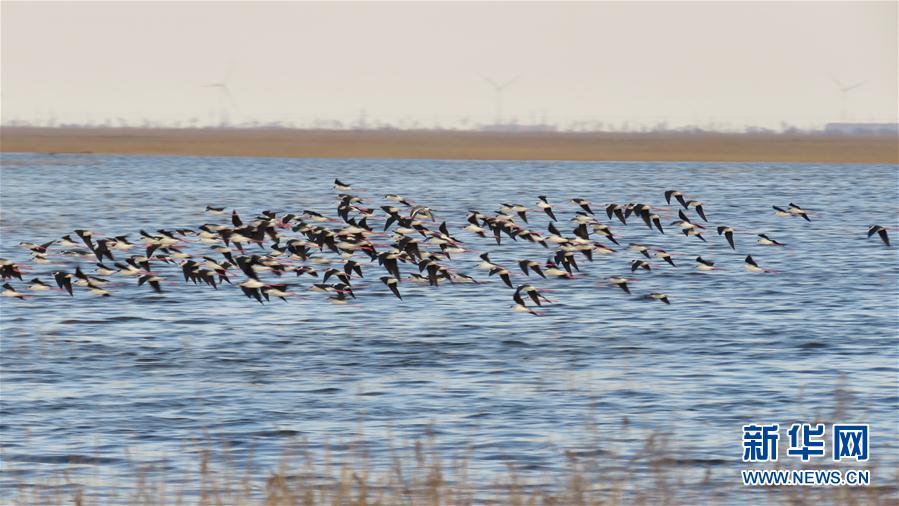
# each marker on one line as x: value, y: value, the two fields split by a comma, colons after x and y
x: 701, y: 213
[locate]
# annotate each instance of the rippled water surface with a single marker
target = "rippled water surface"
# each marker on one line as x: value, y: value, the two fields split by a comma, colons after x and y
x: 96, y: 385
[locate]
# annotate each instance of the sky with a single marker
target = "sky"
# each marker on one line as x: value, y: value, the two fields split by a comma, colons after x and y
x: 427, y: 63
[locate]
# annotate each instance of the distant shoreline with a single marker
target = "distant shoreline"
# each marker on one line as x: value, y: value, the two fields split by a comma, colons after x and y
x: 456, y: 145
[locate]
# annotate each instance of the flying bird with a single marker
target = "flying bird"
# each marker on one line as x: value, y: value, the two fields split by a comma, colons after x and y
x: 547, y: 208
x: 764, y: 240
x: 664, y: 255
x: 520, y: 307
x: 640, y: 264
x: 704, y: 265
x: 620, y: 283
x: 63, y: 281
x: 728, y: 234
x: 781, y: 212
x: 392, y: 283
x: 677, y: 195
x: 752, y: 266
x: 880, y: 231
x: 697, y: 205
x: 583, y: 203
x: 660, y: 296
x: 795, y: 210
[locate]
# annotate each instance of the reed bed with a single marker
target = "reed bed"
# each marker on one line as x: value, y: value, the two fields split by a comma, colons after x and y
x: 420, y: 474
x: 359, y: 470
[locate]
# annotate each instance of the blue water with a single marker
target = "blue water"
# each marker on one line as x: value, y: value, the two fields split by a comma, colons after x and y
x: 140, y: 378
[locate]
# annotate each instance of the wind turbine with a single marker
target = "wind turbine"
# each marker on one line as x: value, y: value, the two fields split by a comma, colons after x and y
x: 498, y: 89
x: 226, y: 101
x: 844, y: 93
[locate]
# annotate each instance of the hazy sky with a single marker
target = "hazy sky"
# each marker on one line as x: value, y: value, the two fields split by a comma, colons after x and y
x: 682, y: 62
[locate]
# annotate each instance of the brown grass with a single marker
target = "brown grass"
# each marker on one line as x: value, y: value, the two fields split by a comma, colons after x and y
x: 419, y: 474
x: 455, y: 145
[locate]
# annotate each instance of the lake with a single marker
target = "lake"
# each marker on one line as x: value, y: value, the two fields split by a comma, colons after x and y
x: 100, y: 386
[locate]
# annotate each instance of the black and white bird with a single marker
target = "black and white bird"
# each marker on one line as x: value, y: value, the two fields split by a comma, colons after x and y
x: 503, y: 274
x: 398, y: 199
x: 533, y: 293
x: 529, y: 265
x: 697, y: 205
x: 692, y: 232
x: 36, y: 285
x: 795, y: 210
x: 518, y: 209
x: 583, y: 203
x: 639, y: 248
x: 677, y: 195
x: 606, y: 231
x: 152, y: 280
x: 752, y: 266
x: 728, y: 234
x: 620, y: 283
x: 36, y: 248
x: 705, y: 265
x: 654, y: 219
x: 341, y: 187
x: 664, y: 255
x: 40, y: 258
x: 547, y: 208
x: 660, y: 296
x: 617, y: 211
x: 880, y: 231
x: 487, y: 264
x: 422, y: 212
x: 781, y: 212
x: 764, y: 240
x: 276, y: 290
x: 640, y: 264
x: 9, y: 291
x: 63, y: 281
x: 520, y: 307
x: 251, y: 287
x: 104, y: 270
x: 102, y: 292
x: 687, y: 226
x: 551, y: 269
x: 122, y: 243
x: 67, y: 242
x: 86, y: 237
x: 392, y: 283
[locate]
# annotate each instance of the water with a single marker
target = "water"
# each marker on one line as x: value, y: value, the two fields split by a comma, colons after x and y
x: 142, y: 378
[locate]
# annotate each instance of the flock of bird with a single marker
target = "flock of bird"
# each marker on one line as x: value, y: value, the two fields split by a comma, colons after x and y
x: 336, y: 251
